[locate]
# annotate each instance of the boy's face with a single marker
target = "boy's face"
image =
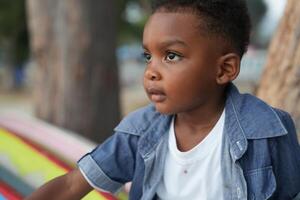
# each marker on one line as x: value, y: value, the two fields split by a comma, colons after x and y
x: 181, y: 63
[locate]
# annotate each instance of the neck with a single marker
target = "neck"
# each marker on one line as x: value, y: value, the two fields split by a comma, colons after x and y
x: 203, y: 117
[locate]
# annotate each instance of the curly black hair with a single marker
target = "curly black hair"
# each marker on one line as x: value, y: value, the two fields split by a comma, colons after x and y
x: 228, y: 19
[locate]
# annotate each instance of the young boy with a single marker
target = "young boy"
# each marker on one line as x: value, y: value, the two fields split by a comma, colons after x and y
x: 200, y: 138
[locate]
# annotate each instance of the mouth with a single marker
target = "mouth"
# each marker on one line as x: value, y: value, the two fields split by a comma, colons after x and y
x: 156, y: 95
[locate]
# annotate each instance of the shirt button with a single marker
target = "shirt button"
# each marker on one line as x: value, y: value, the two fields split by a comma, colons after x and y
x: 238, y: 143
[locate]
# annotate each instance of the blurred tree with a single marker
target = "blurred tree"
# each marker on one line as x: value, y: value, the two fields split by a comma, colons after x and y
x: 280, y: 81
x: 73, y: 44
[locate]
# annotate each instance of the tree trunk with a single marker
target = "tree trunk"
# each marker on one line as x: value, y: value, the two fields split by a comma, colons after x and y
x: 280, y: 82
x: 73, y: 44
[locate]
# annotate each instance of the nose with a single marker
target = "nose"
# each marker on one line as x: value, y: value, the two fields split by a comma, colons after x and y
x: 152, y: 74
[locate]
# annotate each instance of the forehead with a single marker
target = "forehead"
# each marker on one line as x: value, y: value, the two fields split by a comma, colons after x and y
x: 179, y: 26
x: 174, y: 22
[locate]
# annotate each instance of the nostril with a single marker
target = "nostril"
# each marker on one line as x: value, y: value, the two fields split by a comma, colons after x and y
x: 153, y: 77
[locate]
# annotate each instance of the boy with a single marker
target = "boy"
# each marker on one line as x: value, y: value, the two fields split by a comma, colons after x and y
x: 200, y: 138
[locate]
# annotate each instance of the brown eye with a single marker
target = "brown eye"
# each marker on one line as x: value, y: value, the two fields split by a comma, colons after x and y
x: 173, y: 57
x: 147, y: 57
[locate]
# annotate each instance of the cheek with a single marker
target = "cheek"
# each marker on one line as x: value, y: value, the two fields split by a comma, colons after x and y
x: 180, y: 88
x: 144, y: 79
x: 192, y: 85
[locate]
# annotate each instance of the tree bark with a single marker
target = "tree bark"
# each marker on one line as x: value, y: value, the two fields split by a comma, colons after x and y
x: 280, y: 82
x: 73, y: 44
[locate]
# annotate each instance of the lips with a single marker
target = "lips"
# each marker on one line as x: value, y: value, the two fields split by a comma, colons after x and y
x: 156, y: 95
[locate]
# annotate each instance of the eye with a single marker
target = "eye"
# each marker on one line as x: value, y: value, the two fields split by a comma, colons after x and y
x: 171, y: 56
x: 147, y: 57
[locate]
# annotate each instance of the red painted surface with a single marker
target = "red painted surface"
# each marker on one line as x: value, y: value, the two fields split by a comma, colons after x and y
x: 8, y: 192
x: 41, y: 151
x: 51, y: 157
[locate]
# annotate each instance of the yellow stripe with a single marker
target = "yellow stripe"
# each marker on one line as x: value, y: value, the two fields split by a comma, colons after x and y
x: 30, y: 163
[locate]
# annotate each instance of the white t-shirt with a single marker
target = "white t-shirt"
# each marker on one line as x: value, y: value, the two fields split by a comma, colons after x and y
x: 195, y: 174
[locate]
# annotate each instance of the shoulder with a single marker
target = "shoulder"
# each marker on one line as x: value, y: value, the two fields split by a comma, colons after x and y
x: 286, y: 119
x: 274, y: 124
x: 285, y: 156
x: 255, y: 117
x: 291, y: 137
x: 250, y: 104
x: 270, y: 116
x: 140, y: 120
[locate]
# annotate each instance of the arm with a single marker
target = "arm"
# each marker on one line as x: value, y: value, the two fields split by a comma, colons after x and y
x: 70, y: 186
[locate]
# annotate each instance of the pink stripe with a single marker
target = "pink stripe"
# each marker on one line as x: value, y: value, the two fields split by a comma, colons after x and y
x: 58, y: 141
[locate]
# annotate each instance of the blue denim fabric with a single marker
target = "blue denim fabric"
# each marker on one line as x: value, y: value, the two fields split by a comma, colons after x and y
x: 260, y: 152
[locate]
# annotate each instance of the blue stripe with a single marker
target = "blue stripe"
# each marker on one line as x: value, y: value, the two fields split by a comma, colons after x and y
x: 15, y: 182
x: 2, y: 197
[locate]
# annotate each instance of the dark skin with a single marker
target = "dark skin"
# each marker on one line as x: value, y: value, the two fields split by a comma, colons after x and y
x: 71, y: 186
x: 186, y: 75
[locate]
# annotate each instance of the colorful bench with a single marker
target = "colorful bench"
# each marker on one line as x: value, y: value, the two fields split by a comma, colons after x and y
x: 32, y: 152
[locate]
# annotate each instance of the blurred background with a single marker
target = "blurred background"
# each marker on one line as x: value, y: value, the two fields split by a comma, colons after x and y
x: 70, y: 70
x: 62, y: 35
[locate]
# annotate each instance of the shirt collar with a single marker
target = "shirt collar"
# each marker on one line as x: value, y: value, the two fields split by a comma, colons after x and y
x: 255, y: 118
x: 247, y: 117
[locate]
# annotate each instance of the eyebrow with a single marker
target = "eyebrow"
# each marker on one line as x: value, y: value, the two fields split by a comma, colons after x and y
x: 169, y: 42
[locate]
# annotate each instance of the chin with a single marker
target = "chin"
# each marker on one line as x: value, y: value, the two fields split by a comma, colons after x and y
x: 164, y: 110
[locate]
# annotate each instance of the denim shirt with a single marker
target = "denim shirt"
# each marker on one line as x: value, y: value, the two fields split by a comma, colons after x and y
x: 260, y: 152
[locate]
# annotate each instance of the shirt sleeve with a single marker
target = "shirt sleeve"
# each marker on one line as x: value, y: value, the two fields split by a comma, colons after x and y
x: 111, y: 164
x: 286, y: 158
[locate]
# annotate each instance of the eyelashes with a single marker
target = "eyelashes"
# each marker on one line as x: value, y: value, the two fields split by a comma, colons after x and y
x: 146, y: 57
x: 173, y: 57
x: 170, y: 56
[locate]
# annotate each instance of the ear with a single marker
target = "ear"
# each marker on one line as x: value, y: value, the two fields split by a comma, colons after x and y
x: 228, y: 68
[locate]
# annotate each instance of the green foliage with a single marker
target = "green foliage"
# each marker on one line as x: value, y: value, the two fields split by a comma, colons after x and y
x: 13, y: 28
x: 13, y: 31
x: 257, y: 9
x: 131, y: 31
